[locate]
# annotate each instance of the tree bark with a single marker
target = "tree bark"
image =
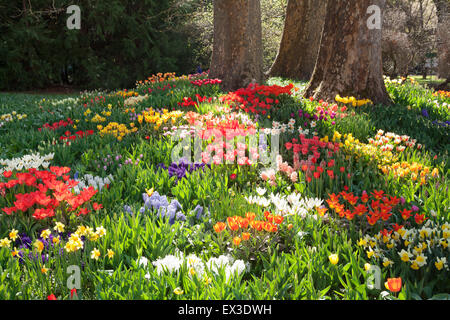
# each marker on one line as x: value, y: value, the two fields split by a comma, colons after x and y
x: 349, y: 61
x: 443, y: 31
x: 237, y: 50
x: 301, y: 39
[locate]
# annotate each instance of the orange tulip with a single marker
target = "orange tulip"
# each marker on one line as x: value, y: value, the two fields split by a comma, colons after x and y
x: 250, y: 216
x: 257, y: 225
x: 245, y: 236
x: 394, y: 284
x: 219, y: 227
x: 243, y: 223
x: 232, y: 224
x: 236, y: 241
x: 278, y: 219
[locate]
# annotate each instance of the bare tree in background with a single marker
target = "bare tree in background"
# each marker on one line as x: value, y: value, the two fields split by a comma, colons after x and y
x: 409, y: 36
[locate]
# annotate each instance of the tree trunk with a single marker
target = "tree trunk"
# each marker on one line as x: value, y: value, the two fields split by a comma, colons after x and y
x: 237, y: 50
x: 442, y: 7
x: 301, y: 39
x: 349, y: 61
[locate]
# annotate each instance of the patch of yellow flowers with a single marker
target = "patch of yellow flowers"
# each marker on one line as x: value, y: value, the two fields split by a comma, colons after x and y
x: 127, y: 94
x: 413, y: 171
x: 353, y: 101
x: 417, y: 247
x: 358, y: 149
x: 117, y: 130
x: 150, y: 116
x: 387, y: 159
x: 8, y: 117
x: 160, y: 77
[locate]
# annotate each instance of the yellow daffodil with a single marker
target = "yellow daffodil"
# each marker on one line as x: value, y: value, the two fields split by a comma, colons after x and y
x: 39, y: 246
x: 59, y: 227
x: 45, y: 234
x: 44, y: 270
x: 95, y: 254
x: 178, y: 291
x: 13, y: 234
x: 110, y: 254
x: 5, y: 243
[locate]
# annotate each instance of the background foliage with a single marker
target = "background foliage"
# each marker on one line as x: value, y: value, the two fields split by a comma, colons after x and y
x: 119, y: 42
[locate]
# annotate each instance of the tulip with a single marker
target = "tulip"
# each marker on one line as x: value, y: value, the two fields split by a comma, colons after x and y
x: 334, y: 258
x: 394, y: 284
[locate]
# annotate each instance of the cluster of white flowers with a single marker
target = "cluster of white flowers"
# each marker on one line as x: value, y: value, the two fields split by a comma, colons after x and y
x: 292, y: 204
x: 131, y: 101
x: 88, y: 180
x: 66, y: 101
x: 438, y: 105
x: 393, y: 81
x: 289, y: 127
x: 29, y: 161
x: 196, y: 266
x: 283, y: 127
x: 181, y: 132
x: 169, y: 263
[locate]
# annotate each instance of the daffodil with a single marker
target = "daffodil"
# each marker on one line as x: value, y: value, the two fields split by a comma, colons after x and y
x: 387, y: 262
x: 110, y: 254
x: 59, y: 227
x: 95, y: 254
x: 178, y: 291
x: 100, y: 231
x: 39, y: 245
x: 45, y: 234
x: 13, y: 234
x: 440, y: 263
x: 5, y: 243
x: 44, y: 270
x: 405, y: 256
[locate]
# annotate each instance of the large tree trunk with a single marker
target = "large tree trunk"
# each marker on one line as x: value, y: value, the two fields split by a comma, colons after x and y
x: 237, y: 50
x: 443, y: 33
x: 301, y: 39
x: 349, y: 61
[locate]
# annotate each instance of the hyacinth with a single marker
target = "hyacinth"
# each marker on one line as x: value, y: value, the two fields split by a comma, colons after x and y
x: 98, y: 183
x: 165, y: 209
x: 180, y: 170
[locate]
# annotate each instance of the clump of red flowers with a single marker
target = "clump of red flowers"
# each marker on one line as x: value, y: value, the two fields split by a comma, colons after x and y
x: 46, y: 193
x: 189, y: 102
x: 255, y: 98
x: 68, y: 136
x: 56, y: 125
x: 205, y: 82
x: 376, y: 209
